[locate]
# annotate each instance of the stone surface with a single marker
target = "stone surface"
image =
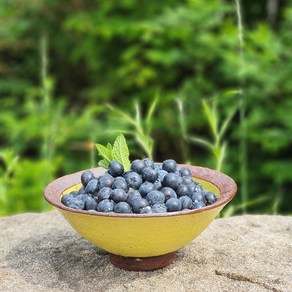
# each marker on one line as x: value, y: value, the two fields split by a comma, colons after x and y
x: 41, y: 252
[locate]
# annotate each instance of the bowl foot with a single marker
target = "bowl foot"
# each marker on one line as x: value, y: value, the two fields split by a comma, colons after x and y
x: 143, y: 263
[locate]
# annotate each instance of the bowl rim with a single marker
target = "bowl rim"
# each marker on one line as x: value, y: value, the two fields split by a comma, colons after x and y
x: 223, y: 182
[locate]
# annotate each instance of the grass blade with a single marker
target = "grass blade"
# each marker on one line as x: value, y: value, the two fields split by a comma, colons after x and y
x: 202, y: 141
x: 211, y: 117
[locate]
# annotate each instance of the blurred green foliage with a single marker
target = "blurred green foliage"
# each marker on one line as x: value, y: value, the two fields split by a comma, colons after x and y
x: 168, y: 74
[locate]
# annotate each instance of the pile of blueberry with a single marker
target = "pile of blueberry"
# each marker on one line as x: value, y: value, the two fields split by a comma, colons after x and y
x: 147, y: 188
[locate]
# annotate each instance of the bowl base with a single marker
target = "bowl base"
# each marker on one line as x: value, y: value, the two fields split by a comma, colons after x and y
x: 143, y: 263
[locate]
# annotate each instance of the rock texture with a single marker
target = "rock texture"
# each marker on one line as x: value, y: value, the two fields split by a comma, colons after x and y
x: 41, y: 252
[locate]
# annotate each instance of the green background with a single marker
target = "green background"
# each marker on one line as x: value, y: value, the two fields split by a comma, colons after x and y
x: 174, y: 76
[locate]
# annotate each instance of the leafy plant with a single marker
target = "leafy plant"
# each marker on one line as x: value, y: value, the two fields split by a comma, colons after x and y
x: 61, y: 65
x: 8, y: 162
x: 140, y: 128
x: 217, y: 145
x: 27, y: 184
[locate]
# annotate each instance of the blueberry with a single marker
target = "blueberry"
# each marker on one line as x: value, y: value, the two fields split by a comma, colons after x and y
x: 145, y: 188
x: 182, y: 190
x: 125, y: 175
x: 81, y: 190
x: 133, y: 195
x: 75, y: 193
x: 155, y: 197
x: 210, y: 198
x: 198, y: 197
x: 122, y: 207
x: 184, y: 171
x: 179, y: 179
x: 186, y: 202
x: 158, y: 166
x: 134, y: 180
x: 149, y: 174
x: 198, y: 188
x: 106, y: 206
x: 86, y: 176
x: 188, y: 180
x: 149, y: 162
x: 92, y: 187
x: 105, y: 180
x: 138, y: 204
x: 169, y: 165
x: 82, y: 197
x: 76, y: 203
x: 161, y: 174
x: 158, y: 184
x: 198, y: 205
x: 115, y: 168
x: 173, y: 205
x: 192, y: 187
x: 168, y: 193
x: 120, y: 183
x: 66, y: 198
x: 104, y: 193
x: 138, y: 165
x: 159, y: 208
x: 171, y: 180
x: 90, y: 203
x: 146, y: 210
x: 118, y: 195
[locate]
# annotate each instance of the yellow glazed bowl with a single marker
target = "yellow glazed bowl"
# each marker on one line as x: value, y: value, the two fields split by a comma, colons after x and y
x: 143, y: 235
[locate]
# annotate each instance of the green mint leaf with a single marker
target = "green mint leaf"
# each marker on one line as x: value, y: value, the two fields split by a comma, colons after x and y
x: 121, y: 153
x: 109, y: 147
x: 118, y: 151
x: 104, y: 152
x: 103, y: 163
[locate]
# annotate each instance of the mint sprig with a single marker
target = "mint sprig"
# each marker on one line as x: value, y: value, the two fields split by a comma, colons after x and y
x: 118, y: 151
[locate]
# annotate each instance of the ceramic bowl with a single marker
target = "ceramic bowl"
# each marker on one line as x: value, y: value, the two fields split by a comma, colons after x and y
x: 142, y: 236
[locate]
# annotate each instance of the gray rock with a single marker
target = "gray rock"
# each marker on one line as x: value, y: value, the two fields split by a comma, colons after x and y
x: 41, y: 252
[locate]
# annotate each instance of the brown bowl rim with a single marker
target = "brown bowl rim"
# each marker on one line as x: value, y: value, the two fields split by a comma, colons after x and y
x: 223, y: 182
